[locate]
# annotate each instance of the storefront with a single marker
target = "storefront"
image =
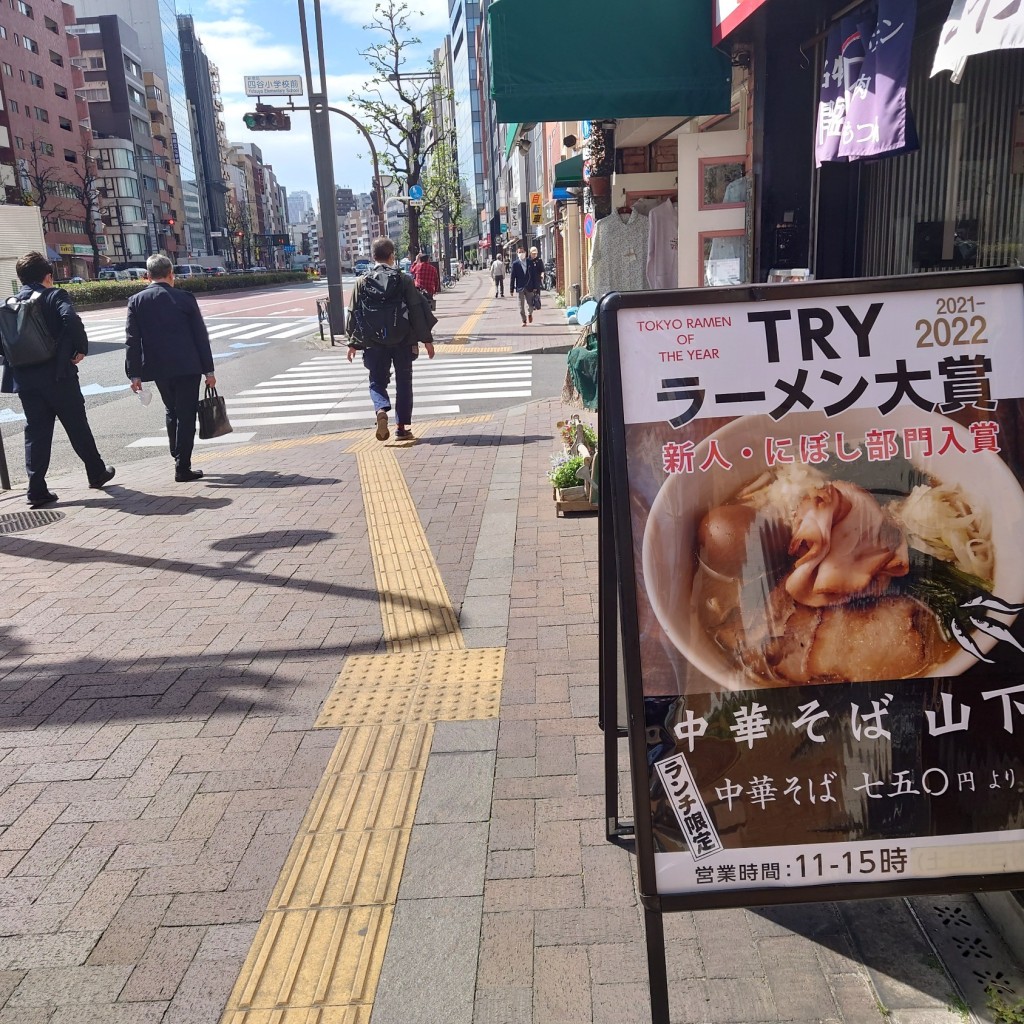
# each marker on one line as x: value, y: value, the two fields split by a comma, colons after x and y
x: 956, y: 202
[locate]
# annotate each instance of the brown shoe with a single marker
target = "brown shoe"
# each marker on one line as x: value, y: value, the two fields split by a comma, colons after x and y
x: 382, y: 426
x: 531, y: 318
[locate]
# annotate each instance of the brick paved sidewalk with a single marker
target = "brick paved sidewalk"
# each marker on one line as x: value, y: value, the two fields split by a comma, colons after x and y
x: 166, y: 652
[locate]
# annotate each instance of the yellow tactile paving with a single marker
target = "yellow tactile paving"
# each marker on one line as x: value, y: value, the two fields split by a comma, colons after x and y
x: 462, y: 335
x: 441, y: 686
x: 319, y: 949
x: 415, y: 607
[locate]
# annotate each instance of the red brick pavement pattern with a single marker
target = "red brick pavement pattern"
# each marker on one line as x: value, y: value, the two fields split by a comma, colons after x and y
x: 165, y: 654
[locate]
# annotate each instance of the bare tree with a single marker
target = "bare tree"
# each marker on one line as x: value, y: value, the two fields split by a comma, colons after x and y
x: 397, y: 104
x: 239, y: 229
x: 85, y: 187
x: 42, y: 182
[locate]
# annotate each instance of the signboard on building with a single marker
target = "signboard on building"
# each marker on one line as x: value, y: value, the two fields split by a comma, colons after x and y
x: 536, y: 208
x: 728, y: 15
x: 273, y: 85
x: 818, y: 495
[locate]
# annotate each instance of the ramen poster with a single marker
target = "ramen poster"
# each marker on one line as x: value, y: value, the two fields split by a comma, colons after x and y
x: 827, y: 515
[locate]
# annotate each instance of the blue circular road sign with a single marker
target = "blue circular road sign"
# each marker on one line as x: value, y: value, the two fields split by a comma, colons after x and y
x: 416, y: 192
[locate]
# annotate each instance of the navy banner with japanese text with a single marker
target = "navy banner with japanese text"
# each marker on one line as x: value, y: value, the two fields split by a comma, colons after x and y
x: 862, y: 107
x: 825, y: 511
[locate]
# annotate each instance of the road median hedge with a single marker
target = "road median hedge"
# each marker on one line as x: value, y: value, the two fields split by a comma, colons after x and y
x: 101, y: 292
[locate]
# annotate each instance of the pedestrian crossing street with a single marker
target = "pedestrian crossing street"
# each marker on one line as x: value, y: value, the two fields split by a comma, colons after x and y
x: 328, y: 389
x: 229, y: 334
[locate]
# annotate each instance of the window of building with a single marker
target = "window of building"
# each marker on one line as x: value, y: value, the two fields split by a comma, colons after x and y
x: 12, y: 105
x: 41, y: 115
x: 132, y: 67
x: 60, y: 90
x: 8, y: 70
x: 70, y: 156
x: 121, y: 159
x: 24, y: 8
x: 141, y: 128
x: 154, y: 92
x: 98, y: 92
x: 36, y: 80
x: 62, y: 189
x: 148, y: 183
x: 124, y: 187
x: 3, y: 32
x: 30, y: 44
x: 51, y: 25
x: 19, y: 142
x: 69, y: 226
x: 21, y: 74
x: 56, y: 58
x: 135, y: 96
x: 94, y: 60
x: 65, y: 123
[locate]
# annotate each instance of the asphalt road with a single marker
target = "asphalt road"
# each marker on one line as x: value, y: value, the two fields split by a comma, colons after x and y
x: 279, y: 378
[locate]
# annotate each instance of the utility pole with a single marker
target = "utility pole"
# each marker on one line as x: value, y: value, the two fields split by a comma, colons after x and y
x: 323, y: 161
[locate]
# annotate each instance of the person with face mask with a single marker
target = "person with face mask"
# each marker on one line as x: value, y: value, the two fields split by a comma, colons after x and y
x: 527, y: 277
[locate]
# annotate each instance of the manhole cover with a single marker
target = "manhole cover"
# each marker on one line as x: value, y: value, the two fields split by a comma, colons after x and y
x: 15, y: 522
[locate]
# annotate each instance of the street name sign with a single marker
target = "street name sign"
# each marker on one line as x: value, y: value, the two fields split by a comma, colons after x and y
x: 273, y: 85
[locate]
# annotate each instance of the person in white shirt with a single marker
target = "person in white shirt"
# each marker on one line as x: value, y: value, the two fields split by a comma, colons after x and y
x: 498, y: 275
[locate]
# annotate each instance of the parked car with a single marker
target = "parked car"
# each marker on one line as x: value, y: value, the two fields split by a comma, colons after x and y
x: 76, y: 280
x: 188, y: 270
x: 137, y: 274
x: 361, y: 266
x: 114, y: 275
x: 216, y: 271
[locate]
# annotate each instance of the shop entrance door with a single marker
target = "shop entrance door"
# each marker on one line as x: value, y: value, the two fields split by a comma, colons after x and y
x: 714, y: 185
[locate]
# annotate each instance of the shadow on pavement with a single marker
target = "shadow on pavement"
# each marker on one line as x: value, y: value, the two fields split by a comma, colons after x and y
x: 483, y: 441
x: 139, y: 503
x: 266, y: 478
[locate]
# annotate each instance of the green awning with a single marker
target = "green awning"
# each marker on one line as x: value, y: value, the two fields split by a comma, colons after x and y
x: 569, y: 173
x: 510, y: 137
x: 645, y: 59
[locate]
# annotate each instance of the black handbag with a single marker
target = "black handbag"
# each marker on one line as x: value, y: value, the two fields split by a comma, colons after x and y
x: 213, y: 416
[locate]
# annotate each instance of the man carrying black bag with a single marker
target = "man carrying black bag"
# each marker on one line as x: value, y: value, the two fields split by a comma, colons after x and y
x: 387, y: 320
x: 168, y: 344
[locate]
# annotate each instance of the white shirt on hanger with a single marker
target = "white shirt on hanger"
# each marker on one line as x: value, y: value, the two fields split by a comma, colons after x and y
x: 663, y: 247
x: 619, y: 254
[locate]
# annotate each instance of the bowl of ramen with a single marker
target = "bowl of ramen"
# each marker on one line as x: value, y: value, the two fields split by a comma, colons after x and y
x: 866, y: 557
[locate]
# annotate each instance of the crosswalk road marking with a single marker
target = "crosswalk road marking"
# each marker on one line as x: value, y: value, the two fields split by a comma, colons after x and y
x: 328, y: 388
x: 270, y: 330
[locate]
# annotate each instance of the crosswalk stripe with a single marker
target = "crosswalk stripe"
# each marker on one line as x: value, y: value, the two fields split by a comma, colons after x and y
x: 282, y: 381
x: 256, y: 333
x: 325, y: 391
x: 433, y: 410
x: 293, y: 331
x: 253, y: 406
x: 223, y: 332
x: 161, y: 442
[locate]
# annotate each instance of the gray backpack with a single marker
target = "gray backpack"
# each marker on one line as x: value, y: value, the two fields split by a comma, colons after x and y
x: 25, y: 337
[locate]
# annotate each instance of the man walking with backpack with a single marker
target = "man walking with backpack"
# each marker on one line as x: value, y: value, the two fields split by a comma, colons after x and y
x: 43, y: 341
x: 387, y: 321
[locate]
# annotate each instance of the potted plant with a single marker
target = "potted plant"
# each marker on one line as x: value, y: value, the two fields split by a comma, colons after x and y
x: 571, y: 469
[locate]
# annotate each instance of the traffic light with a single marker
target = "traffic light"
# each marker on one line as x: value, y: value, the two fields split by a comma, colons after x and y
x: 267, y: 119
x: 168, y: 222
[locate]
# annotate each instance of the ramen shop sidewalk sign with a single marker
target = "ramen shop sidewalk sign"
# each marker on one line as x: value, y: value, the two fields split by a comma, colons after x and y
x: 816, y: 504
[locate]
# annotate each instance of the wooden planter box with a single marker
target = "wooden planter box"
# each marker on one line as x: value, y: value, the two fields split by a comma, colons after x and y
x: 572, y: 499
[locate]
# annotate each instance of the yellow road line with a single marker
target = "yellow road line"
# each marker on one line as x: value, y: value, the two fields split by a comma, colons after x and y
x: 463, y: 333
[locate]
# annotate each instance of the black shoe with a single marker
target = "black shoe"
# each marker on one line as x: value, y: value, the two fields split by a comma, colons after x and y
x: 404, y: 434
x: 38, y: 501
x: 184, y: 476
x: 108, y: 475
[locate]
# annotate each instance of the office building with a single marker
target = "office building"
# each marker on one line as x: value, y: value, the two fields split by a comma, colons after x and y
x: 464, y: 18
x: 300, y: 207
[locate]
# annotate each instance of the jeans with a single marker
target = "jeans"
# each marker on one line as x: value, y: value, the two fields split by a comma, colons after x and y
x: 499, y: 285
x: 180, y: 396
x: 378, y: 360
x: 60, y: 400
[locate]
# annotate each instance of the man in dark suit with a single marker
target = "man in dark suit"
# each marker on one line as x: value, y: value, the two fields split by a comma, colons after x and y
x: 50, y: 391
x: 169, y: 345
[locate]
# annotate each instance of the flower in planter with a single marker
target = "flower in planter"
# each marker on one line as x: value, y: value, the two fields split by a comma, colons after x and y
x: 563, y: 470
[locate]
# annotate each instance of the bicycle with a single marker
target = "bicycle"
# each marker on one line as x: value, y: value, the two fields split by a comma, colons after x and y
x: 447, y: 282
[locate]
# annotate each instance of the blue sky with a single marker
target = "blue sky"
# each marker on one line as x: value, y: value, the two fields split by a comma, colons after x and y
x: 257, y: 37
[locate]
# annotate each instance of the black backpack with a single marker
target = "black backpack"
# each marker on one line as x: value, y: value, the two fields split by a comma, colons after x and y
x: 380, y: 315
x: 24, y: 334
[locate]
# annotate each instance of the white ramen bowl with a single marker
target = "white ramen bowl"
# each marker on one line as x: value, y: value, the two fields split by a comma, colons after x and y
x: 670, y: 538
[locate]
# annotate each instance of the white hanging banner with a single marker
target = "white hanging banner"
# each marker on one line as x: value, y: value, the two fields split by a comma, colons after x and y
x: 977, y: 26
